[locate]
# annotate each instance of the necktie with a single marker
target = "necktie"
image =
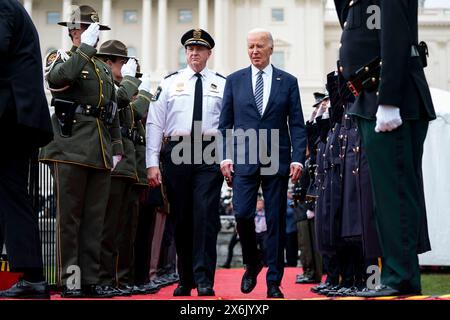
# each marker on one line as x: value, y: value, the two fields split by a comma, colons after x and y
x: 259, y: 92
x: 198, y: 98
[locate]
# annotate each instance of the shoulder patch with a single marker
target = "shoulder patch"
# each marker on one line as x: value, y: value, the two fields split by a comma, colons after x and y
x: 51, y: 57
x: 218, y: 74
x: 155, y: 96
x: 168, y: 76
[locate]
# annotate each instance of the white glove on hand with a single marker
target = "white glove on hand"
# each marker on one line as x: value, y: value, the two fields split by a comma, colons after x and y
x: 91, y: 34
x: 326, y: 114
x: 145, y: 84
x: 310, y: 214
x: 116, y: 160
x: 129, y: 68
x: 388, y: 118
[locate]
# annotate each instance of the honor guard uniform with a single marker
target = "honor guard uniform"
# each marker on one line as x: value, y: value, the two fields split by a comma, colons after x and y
x: 87, y: 137
x: 381, y: 62
x: 188, y: 107
x: 124, y: 68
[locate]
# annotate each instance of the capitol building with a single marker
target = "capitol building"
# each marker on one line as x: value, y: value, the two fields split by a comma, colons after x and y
x: 306, y: 34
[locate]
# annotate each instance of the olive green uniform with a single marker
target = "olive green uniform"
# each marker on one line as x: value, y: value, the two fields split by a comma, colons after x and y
x: 81, y: 163
x: 129, y: 218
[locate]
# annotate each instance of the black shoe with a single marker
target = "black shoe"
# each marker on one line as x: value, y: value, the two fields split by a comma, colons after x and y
x: 273, y: 291
x: 23, y: 289
x: 151, y: 287
x: 205, y: 290
x: 125, y: 290
x: 330, y: 290
x: 382, y: 291
x: 321, y: 286
x: 138, y: 290
x: 226, y: 266
x: 96, y: 291
x: 161, y: 282
x: 182, y: 291
x: 72, y: 293
x: 248, y: 282
x: 305, y: 280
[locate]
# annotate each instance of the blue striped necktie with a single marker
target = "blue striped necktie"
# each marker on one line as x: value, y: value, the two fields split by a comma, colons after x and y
x: 259, y: 92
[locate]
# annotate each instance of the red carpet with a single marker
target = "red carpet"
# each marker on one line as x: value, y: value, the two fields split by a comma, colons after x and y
x: 227, y: 287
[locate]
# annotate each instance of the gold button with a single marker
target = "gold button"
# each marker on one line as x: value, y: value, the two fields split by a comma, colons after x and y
x: 101, y: 81
x: 74, y: 121
x: 97, y: 70
x: 366, y: 69
x: 351, y: 3
x: 378, y: 93
x: 340, y: 45
x: 341, y: 69
x: 345, y: 24
x: 103, y: 96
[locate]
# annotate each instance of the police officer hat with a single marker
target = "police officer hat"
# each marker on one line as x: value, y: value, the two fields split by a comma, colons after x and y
x: 82, y: 15
x: 319, y: 97
x: 116, y: 48
x: 197, y: 37
x: 113, y: 48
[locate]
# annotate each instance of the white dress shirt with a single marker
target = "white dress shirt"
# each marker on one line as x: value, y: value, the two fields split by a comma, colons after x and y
x: 267, y: 78
x: 171, y: 114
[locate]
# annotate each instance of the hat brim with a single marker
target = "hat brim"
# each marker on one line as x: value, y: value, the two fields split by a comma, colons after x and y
x: 104, y: 54
x: 102, y: 26
x: 197, y: 43
x: 321, y: 100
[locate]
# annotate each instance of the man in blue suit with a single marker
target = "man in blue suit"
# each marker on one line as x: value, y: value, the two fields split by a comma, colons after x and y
x: 261, y: 107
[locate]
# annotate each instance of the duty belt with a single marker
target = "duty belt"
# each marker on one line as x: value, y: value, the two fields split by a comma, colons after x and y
x: 133, y: 135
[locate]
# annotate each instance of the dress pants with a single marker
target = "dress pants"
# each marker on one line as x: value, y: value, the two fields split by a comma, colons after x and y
x: 244, y: 205
x: 193, y: 192
x: 395, y: 164
x: 82, y: 196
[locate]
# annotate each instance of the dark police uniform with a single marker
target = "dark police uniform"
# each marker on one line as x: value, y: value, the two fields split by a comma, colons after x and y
x: 395, y: 172
x: 193, y: 189
x: 82, y: 160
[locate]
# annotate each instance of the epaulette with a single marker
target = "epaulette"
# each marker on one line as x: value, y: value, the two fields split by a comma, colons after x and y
x: 168, y: 76
x: 155, y: 96
x: 218, y: 74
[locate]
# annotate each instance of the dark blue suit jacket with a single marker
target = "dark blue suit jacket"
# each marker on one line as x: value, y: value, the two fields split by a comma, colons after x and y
x: 283, y: 112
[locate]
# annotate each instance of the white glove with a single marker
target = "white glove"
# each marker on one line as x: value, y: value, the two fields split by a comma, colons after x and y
x: 326, y: 114
x: 145, y: 84
x: 388, y: 118
x: 310, y: 214
x: 91, y: 34
x: 116, y: 160
x: 129, y: 68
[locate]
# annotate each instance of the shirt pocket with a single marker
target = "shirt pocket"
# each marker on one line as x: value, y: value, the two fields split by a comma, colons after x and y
x: 213, y: 102
x: 179, y: 101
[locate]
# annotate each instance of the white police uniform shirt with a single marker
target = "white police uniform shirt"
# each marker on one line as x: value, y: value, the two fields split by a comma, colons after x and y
x: 171, y: 114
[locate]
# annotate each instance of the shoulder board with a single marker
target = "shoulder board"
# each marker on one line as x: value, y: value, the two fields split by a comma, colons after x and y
x: 218, y: 74
x: 155, y: 96
x: 168, y: 76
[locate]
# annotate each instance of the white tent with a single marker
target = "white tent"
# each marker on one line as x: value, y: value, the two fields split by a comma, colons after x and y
x: 436, y: 176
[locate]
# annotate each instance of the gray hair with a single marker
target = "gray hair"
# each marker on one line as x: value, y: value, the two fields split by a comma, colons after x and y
x: 261, y: 30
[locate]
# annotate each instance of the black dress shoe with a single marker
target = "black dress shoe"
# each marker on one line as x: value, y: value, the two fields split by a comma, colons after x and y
x: 138, y: 290
x: 248, y: 282
x: 182, y: 291
x: 321, y: 286
x: 273, y: 291
x: 205, y: 290
x: 382, y: 291
x: 305, y: 280
x: 151, y: 287
x: 72, y: 293
x: 96, y: 291
x: 23, y: 289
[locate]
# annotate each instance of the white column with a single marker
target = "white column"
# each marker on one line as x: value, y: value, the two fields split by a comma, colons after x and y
x: 161, y: 56
x: 146, y: 33
x: 203, y: 14
x: 28, y: 5
x: 105, y: 19
x: 220, y: 27
x: 65, y: 15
